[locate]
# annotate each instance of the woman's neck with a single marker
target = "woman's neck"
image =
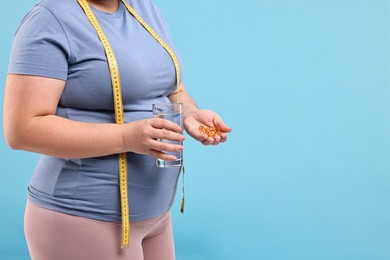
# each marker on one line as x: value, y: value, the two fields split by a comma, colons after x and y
x: 109, y: 6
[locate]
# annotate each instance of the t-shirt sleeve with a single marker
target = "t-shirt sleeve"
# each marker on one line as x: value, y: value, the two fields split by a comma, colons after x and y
x: 40, y: 46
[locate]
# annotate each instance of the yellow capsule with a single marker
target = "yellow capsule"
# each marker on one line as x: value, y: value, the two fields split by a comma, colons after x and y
x: 209, y: 131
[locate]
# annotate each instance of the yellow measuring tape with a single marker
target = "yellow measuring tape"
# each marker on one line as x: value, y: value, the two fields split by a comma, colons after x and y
x: 117, y: 93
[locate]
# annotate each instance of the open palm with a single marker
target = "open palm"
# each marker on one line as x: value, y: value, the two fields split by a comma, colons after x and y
x: 207, y: 118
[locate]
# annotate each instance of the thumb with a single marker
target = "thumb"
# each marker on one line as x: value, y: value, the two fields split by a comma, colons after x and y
x: 218, y: 122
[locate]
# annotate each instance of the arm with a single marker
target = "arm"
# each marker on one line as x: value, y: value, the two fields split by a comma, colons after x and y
x: 30, y: 124
x: 181, y: 95
x: 193, y: 117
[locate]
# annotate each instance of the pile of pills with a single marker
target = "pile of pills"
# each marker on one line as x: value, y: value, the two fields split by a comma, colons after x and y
x: 209, y: 131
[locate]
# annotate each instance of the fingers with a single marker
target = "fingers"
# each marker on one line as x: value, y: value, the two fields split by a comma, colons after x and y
x: 160, y: 123
x: 206, y: 142
x: 162, y: 156
x: 216, y: 140
x: 166, y: 130
x: 165, y: 147
x: 198, y: 136
x: 164, y: 134
x: 223, y: 138
x: 162, y: 129
x: 157, y: 137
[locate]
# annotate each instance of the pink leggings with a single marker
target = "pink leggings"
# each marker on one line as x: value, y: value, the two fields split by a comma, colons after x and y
x: 53, y: 235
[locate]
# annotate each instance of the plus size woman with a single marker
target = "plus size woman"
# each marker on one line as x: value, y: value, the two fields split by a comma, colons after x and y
x: 59, y: 103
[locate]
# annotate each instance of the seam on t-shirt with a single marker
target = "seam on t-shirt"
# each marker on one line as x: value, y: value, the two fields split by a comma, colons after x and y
x: 63, y: 29
x: 33, y: 71
x: 24, y: 19
x: 76, y: 184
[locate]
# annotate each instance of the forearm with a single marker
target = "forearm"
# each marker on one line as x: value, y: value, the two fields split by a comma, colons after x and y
x: 30, y: 123
x: 61, y: 137
x: 181, y: 95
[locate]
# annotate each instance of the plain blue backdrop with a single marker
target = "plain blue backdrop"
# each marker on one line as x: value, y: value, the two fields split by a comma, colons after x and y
x: 305, y: 85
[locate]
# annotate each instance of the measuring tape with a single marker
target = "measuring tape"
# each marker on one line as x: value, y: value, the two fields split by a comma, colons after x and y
x: 155, y: 35
x: 118, y: 104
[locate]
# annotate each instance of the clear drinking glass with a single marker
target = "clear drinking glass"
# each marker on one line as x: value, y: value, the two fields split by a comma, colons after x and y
x: 172, y: 112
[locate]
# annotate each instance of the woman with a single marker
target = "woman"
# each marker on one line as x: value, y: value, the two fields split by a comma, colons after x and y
x: 59, y: 103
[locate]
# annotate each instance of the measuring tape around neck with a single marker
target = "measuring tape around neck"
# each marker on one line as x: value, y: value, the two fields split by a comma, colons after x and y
x: 118, y: 104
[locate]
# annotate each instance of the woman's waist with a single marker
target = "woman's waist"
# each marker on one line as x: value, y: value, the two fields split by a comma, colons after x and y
x: 93, y: 188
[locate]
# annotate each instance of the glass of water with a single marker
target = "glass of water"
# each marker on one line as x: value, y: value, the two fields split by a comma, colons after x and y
x: 172, y: 112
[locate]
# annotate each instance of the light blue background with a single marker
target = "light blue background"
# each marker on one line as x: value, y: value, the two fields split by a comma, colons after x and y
x: 305, y: 85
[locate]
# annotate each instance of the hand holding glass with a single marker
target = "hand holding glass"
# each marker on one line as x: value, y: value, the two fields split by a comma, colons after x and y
x: 172, y: 112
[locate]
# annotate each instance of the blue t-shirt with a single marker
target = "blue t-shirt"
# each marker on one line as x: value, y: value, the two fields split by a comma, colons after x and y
x: 56, y: 40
